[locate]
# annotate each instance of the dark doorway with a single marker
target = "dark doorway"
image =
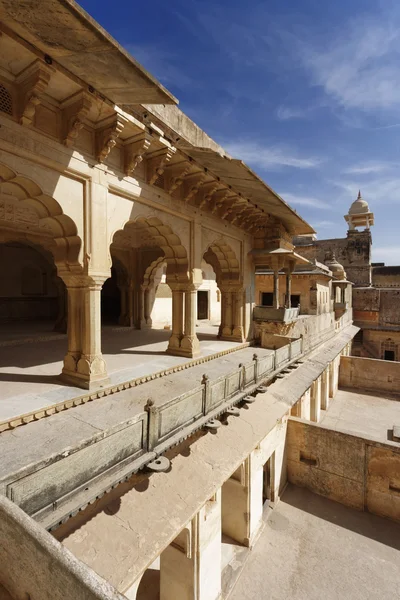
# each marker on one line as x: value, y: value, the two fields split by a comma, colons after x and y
x: 110, y: 300
x: 268, y: 479
x: 267, y: 298
x: 295, y: 300
x: 202, y: 304
x: 389, y: 355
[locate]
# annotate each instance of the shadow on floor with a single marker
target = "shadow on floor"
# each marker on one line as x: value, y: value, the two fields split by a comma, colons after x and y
x: 376, y: 528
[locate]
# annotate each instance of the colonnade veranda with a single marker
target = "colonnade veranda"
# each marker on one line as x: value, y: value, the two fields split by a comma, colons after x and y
x: 79, y: 212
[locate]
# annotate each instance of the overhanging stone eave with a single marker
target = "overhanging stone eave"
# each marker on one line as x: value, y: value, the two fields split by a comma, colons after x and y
x: 88, y: 52
x: 243, y: 180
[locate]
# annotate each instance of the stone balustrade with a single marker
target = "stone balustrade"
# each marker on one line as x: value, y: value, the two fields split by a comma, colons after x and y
x: 51, y: 492
x: 280, y: 315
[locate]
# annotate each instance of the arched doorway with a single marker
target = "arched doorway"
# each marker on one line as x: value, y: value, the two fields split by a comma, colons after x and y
x: 32, y: 296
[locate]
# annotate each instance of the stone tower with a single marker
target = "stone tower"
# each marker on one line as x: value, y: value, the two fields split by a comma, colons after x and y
x: 359, y: 243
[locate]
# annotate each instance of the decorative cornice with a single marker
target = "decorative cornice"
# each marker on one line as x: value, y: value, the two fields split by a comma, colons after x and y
x: 192, y: 185
x: 177, y: 174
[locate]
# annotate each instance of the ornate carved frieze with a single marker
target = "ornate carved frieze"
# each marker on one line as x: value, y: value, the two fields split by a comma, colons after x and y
x: 73, y: 116
x: 157, y: 161
x: 106, y: 137
x: 32, y: 83
x: 135, y: 150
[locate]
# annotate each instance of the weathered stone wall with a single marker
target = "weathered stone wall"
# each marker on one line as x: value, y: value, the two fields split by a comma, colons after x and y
x: 353, y: 252
x: 369, y: 374
x: 359, y: 473
x: 386, y: 277
x: 34, y: 565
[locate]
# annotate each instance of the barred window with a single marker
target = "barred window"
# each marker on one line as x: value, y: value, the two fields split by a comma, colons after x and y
x: 5, y: 101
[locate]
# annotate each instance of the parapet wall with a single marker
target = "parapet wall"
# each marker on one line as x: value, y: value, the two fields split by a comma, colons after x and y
x: 357, y: 472
x: 34, y: 565
x: 369, y: 374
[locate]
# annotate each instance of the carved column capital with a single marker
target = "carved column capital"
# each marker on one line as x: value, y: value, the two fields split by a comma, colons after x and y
x: 74, y: 112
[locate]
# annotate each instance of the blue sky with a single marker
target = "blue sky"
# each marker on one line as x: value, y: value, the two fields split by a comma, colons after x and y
x: 307, y: 92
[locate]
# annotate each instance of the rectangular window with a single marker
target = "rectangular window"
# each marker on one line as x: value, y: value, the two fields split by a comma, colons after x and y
x: 267, y: 298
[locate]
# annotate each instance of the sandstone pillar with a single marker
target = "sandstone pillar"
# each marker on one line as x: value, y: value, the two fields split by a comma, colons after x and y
x: 316, y: 401
x: 146, y: 308
x: 275, y: 301
x: 228, y: 314
x: 242, y: 502
x: 123, y: 317
x: 190, y: 345
x: 237, y: 332
x: 190, y: 568
x: 325, y: 390
x: 331, y: 380
x: 84, y: 365
x: 177, y: 320
x: 288, y: 288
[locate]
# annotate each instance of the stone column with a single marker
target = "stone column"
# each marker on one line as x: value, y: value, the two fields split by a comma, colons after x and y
x: 228, y: 315
x: 177, y: 320
x: 242, y: 501
x: 190, y: 345
x: 275, y: 301
x: 190, y: 568
x: 146, y: 308
x: 84, y: 365
x: 325, y: 389
x: 237, y: 332
x: 316, y: 401
x: 288, y: 288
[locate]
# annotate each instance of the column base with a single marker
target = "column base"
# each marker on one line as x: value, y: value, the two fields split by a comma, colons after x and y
x: 187, y: 353
x: 87, y: 372
x: 78, y: 380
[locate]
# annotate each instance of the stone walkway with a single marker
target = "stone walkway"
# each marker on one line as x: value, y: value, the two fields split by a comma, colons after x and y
x: 364, y: 414
x: 313, y: 549
x: 31, y: 360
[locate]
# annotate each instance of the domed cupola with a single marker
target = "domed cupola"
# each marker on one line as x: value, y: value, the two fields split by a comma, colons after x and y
x: 359, y: 214
x: 337, y: 269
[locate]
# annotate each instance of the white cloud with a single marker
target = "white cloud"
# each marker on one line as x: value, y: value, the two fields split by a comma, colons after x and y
x: 381, y: 190
x: 367, y: 168
x: 322, y: 224
x: 269, y: 157
x: 284, y: 113
x: 386, y: 254
x: 309, y: 201
x: 360, y: 67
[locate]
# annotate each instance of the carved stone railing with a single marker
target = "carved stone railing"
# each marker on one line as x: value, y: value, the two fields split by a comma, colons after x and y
x: 280, y: 315
x: 54, y: 491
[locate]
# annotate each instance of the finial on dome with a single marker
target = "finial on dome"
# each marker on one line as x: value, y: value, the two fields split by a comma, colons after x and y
x: 359, y: 195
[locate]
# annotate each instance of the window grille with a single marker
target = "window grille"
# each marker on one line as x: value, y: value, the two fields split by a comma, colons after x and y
x: 5, y: 101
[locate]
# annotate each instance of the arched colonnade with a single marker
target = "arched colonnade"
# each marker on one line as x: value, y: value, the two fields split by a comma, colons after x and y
x: 138, y: 249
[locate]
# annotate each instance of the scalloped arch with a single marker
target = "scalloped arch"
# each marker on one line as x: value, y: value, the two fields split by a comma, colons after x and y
x: 56, y: 230
x: 160, y: 235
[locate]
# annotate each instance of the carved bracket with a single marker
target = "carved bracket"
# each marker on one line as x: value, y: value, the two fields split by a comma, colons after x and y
x: 73, y: 116
x: 135, y: 151
x: 177, y: 173
x: 208, y: 191
x: 219, y: 199
x: 157, y: 162
x: 34, y: 82
x: 192, y: 185
x: 107, y: 137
